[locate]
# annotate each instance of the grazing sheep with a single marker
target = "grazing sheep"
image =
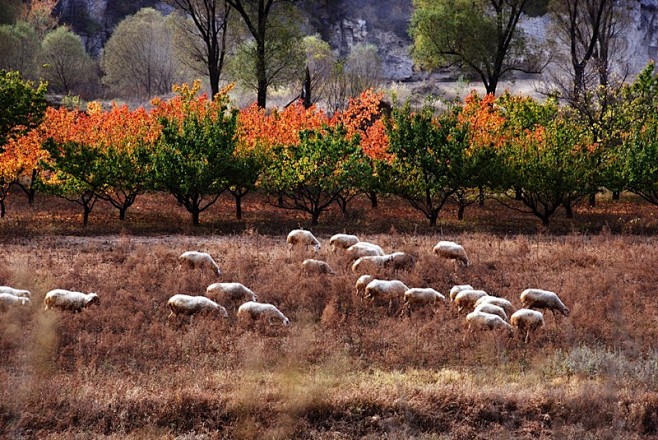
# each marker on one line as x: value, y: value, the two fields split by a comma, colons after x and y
x: 191, y: 305
x: 456, y: 289
x: 254, y: 311
x: 486, y: 321
x: 394, y: 261
x: 493, y: 309
x: 364, y: 249
x: 301, y: 237
x: 361, y: 284
x: 342, y: 241
x: 385, y: 292
x: 201, y: 259
x: 466, y: 298
x: 418, y: 296
x: 497, y: 301
x: 9, y: 300
x: 15, y: 292
x: 310, y: 266
x: 543, y: 299
x: 69, y: 300
x: 451, y: 250
x: 234, y: 293
x: 528, y: 321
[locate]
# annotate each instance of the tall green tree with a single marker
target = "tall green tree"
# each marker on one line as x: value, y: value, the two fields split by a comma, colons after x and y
x: 65, y: 64
x: 266, y: 27
x: 479, y: 36
x: 19, y: 47
x: 311, y: 176
x: 428, y: 156
x: 23, y: 105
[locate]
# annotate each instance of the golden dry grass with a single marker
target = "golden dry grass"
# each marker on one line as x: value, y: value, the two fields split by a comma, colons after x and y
x: 343, y: 369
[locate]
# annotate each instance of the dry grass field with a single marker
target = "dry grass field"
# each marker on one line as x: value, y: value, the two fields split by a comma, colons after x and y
x: 344, y: 369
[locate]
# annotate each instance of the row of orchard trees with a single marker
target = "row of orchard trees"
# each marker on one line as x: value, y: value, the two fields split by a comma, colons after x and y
x: 530, y: 155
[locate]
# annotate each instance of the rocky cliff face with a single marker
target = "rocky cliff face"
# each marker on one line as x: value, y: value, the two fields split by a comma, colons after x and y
x: 345, y: 23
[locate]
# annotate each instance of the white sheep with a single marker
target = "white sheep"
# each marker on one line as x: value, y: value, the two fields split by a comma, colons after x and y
x: 493, y: 309
x: 234, y: 293
x: 199, y: 259
x: 451, y: 250
x: 310, y: 266
x: 9, y: 300
x: 375, y: 263
x: 495, y: 300
x: 543, y: 299
x: 456, y: 289
x: 419, y: 296
x: 386, y: 292
x: 254, y: 311
x: 191, y: 305
x: 528, y: 321
x: 342, y: 241
x: 466, y: 298
x: 361, y: 283
x: 301, y: 237
x: 364, y: 249
x: 486, y: 321
x: 69, y: 300
x: 16, y: 292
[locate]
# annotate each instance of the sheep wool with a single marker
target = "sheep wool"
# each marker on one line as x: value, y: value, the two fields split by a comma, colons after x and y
x: 451, y: 250
x: 527, y: 321
x: 317, y: 267
x: 16, y: 292
x: 254, y: 311
x: 199, y: 259
x: 543, y: 299
x: 342, y: 241
x: 302, y: 238
x: 191, y: 305
x: 224, y: 293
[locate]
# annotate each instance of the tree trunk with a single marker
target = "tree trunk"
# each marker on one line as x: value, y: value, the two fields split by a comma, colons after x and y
x: 306, y: 89
x: 195, y: 216
x: 279, y: 200
x: 518, y: 194
x: 314, y: 218
x: 238, y: 207
x: 545, y: 220
x: 122, y: 212
x: 2, y: 208
x: 568, y: 209
x: 481, y: 196
x: 85, y: 214
x: 460, y: 212
x: 616, y: 195
x: 592, y: 199
x: 372, y: 195
x: 433, y: 217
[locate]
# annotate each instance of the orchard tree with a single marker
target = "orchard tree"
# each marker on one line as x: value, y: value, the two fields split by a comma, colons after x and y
x: 197, y: 143
x: 549, y: 159
x: 311, y: 176
x: 204, y: 27
x: 66, y: 65
x: 479, y: 36
x: 71, y: 172
x: 138, y: 58
x: 427, y: 155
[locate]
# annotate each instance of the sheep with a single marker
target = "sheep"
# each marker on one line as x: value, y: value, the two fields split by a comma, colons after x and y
x: 386, y: 292
x: 466, y: 298
x: 9, y: 300
x: 543, y: 299
x: 527, y: 320
x: 234, y: 293
x: 456, y: 289
x: 361, y: 283
x: 492, y: 309
x: 301, y: 237
x: 180, y: 304
x: 495, y: 300
x: 364, y: 249
x: 374, y: 263
x: 69, y: 300
x: 194, y: 258
x: 253, y: 311
x: 486, y: 321
x: 310, y: 266
x: 451, y: 250
x: 342, y: 241
x: 15, y: 292
x: 418, y: 296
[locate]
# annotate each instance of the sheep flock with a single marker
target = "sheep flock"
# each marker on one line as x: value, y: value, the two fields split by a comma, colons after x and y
x: 376, y: 288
